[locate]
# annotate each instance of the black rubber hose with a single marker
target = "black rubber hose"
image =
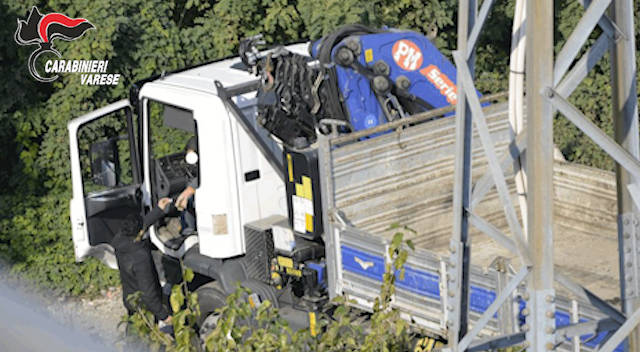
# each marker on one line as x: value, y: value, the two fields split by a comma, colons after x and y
x: 324, y: 56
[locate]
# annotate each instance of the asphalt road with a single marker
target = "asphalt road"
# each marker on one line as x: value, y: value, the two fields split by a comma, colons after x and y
x: 26, y: 325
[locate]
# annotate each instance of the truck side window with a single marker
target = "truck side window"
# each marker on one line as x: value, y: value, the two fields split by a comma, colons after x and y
x: 105, y: 155
x: 168, y: 137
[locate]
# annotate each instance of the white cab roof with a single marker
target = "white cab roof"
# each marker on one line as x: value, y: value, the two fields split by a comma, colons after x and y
x: 202, y: 78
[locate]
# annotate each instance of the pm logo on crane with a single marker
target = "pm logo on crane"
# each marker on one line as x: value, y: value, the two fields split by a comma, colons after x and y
x: 407, y: 55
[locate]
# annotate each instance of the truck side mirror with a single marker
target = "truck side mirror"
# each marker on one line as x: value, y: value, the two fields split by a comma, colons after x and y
x: 105, y: 162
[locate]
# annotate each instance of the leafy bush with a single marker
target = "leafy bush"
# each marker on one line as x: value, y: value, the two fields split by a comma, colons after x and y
x: 39, y: 245
x: 244, y: 327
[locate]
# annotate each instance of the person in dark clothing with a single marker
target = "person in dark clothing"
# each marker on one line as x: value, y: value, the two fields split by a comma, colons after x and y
x: 136, y: 266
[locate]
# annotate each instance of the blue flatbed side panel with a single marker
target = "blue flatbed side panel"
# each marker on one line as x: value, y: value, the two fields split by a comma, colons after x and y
x: 360, y: 262
x: 563, y: 318
x: 427, y: 284
x: 420, y: 282
x: 415, y: 281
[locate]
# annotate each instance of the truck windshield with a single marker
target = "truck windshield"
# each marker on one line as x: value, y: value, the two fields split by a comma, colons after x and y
x: 170, y: 129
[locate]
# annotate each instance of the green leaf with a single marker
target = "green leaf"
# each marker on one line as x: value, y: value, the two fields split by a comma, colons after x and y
x: 188, y: 275
x: 177, y: 298
x: 411, y: 245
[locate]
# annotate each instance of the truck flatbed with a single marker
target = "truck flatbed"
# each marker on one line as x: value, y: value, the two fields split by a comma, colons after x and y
x: 405, y: 177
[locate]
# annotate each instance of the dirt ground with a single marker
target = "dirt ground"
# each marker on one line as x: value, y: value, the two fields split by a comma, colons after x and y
x: 98, y: 317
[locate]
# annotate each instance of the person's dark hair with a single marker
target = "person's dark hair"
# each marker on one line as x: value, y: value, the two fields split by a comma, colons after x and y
x: 192, y: 144
x: 131, y: 225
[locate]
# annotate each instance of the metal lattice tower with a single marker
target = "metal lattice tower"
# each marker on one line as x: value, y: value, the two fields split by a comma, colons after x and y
x: 549, y: 83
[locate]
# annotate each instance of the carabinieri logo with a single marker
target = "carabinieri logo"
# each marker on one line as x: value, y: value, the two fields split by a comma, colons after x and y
x: 43, y: 30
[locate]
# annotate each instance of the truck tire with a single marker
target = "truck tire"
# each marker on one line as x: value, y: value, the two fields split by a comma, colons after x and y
x: 210, y: 297
x: 264, y: 291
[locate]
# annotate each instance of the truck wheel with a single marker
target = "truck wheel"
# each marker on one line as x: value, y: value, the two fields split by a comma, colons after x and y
x: 210, y: 297
x: 264, y: 291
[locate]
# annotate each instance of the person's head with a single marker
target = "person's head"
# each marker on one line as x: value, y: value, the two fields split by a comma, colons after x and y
x: 131, y: 225
x: 191, y: 151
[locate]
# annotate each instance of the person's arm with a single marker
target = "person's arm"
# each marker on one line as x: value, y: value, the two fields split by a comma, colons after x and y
x: 183, y: 198
x: 154, y: 215
x: 162, y: 203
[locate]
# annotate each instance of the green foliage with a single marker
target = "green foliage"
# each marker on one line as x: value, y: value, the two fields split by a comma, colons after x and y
x: 41, y: 248
x: 164, y: 140
x: 594, y: 98
x: 245, y: 327
x: 322, y: 17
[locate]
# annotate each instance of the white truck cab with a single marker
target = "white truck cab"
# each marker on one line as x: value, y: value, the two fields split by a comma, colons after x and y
x: 122, y: 162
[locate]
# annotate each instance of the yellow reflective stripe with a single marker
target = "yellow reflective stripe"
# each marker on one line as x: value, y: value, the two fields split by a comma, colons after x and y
x: 308, y: 222
x: 306, y: 188
x: 290, y: 167
x: 312, y: 324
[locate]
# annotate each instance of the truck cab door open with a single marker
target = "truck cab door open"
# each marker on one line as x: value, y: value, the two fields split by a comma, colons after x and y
x: 105, y: 177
